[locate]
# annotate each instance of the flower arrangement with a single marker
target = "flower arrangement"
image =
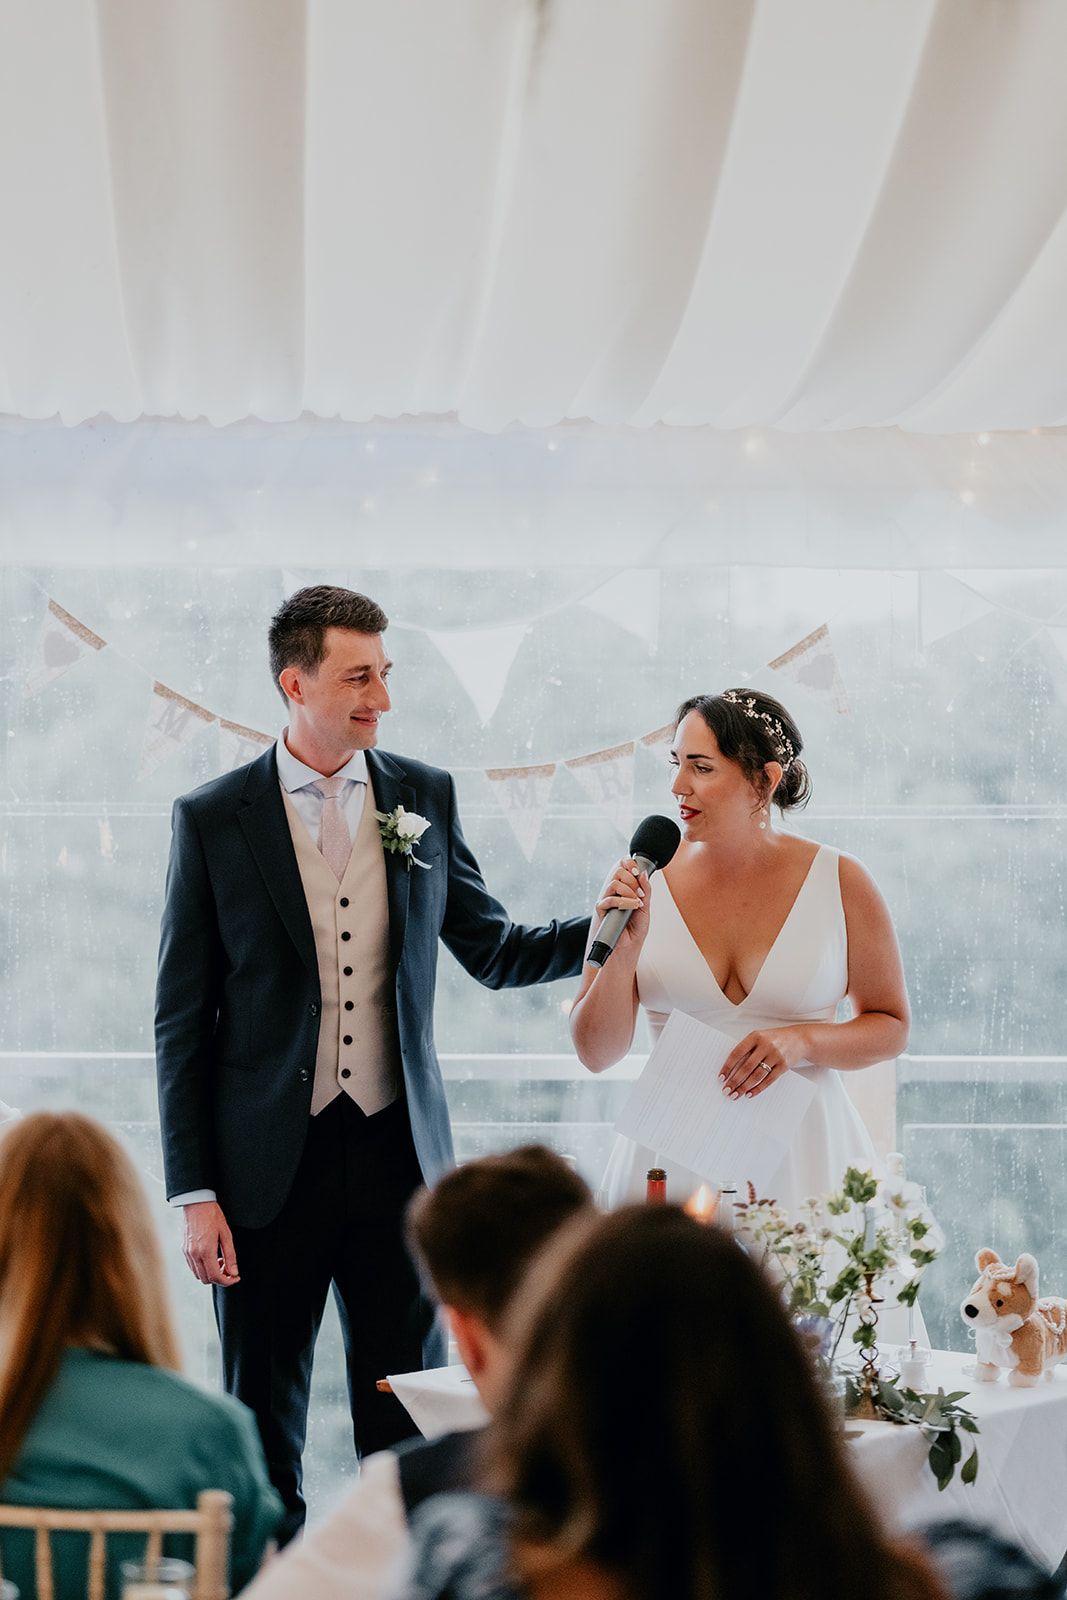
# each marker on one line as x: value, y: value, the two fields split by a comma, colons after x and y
x: 401, y: 831
x: 832, y: 1264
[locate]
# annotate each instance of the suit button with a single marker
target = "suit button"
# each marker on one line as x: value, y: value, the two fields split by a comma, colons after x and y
x: 344, y: 900
x: 304, y: 1074
x: 349, y: 1004
x: 345, y: 1072
x: 346, y: 935
x: 348, y: 972
x: 313, y: 1008
x: 347, y: 1039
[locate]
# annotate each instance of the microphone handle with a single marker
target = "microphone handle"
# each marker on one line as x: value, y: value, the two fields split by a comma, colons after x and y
x: 614, y: 921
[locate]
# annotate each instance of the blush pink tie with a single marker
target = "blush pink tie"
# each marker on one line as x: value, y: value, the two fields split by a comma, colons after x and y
x: 334, y: 842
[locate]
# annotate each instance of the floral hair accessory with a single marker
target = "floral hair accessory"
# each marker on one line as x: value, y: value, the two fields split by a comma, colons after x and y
x: 401, y: 831
x: 778, y: 735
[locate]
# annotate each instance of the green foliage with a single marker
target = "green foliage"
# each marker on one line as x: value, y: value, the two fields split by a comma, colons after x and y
x: 939, y: 1416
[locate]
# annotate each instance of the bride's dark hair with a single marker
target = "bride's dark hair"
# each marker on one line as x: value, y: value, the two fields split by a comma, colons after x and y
x: 752, y: 728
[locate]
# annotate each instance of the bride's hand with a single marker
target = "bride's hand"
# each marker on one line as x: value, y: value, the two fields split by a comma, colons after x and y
x: 760, y: 1059
x: 626, y: 890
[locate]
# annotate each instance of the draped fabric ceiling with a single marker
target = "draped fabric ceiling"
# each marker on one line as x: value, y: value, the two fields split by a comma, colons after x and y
x: 826, y: 215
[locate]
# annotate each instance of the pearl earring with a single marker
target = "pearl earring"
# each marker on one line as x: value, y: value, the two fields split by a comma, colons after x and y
x: 763, y: 815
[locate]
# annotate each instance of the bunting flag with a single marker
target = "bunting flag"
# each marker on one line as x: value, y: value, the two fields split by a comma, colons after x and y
x: 172, y: 722
x: 523, y: 794
x: 481, y: 659
x: 607, y: 777
x: 239, y: 745
x: 813, y: 664
x: 61, y: 644
x: 946, y: 606
x: 631, y: 599
x: 658, y: 736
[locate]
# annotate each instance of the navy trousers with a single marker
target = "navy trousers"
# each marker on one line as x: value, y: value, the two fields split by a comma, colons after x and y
x: 341, y: 1225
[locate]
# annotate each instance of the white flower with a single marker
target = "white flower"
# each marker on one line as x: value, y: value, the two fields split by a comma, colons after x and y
x: 409, y: 825
x: 901, y: 1197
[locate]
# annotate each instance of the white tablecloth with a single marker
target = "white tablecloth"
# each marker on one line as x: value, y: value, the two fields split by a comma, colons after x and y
x: 1022, y: 1461
x: 1022, y: 1476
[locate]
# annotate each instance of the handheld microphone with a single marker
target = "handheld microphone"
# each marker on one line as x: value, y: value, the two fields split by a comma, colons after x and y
x: 654, y: 842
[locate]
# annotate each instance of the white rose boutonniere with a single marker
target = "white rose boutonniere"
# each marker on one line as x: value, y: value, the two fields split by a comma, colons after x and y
x: 401, y: 831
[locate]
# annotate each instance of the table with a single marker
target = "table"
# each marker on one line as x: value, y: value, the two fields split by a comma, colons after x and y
x: 1021, y: 1490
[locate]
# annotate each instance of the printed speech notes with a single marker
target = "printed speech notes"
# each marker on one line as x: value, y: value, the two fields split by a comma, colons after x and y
x: 678, y: 1109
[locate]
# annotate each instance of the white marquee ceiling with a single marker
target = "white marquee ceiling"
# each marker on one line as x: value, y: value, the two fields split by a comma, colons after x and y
x: 800, y: 214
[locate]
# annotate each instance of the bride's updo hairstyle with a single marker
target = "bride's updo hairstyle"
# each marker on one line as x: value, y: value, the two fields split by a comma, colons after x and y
x: 752, y: 728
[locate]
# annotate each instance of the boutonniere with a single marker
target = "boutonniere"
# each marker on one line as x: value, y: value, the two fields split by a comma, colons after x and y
x: 401, y: 831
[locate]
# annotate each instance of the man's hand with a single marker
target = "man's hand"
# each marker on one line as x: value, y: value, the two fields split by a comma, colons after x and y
x: 208, y: 1244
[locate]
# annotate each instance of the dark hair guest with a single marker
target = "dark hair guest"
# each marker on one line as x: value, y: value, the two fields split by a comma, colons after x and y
x: 662, y: 1437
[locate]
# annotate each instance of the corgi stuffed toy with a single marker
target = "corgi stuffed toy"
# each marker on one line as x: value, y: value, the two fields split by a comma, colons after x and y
x: 1013, y: 1329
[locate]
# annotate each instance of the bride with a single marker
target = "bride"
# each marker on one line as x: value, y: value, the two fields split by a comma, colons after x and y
x: 758, y: 933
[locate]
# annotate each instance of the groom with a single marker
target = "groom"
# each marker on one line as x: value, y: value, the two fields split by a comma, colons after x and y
x: 301, y: 1099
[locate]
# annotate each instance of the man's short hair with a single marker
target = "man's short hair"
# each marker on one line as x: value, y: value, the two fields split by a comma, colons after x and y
x: 478, y: 1230
x: 297, y: 636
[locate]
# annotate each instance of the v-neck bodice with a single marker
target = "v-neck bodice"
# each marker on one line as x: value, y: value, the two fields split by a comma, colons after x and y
x: 803, y: 978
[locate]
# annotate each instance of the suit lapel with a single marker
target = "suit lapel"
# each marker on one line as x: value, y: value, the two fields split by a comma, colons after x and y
x: 261, y: 816
x: 391, y: 790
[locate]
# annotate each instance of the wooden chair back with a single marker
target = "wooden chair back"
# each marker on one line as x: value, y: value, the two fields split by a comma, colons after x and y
x: 210, y: 1524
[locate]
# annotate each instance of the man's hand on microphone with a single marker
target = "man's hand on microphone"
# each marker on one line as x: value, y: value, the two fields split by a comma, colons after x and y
x: 627, y: 890
x: 208, y: 1244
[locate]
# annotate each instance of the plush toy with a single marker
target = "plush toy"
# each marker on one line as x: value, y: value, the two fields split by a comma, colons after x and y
x: 1013, y: 1329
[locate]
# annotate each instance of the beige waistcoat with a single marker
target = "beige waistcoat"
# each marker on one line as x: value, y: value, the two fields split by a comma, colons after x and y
x: 358, y: 1052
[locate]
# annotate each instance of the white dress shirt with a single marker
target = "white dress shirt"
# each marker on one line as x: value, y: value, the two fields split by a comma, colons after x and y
x: 296, y: 778
x: 359, y: 1552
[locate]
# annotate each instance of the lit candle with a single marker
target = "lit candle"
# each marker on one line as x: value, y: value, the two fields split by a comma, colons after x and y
x: 703, y: 1205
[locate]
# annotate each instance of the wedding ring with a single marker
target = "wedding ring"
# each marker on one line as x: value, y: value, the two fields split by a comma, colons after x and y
x: 765, y: 1066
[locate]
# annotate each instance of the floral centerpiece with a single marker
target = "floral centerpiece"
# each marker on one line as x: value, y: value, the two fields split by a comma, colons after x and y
x: 836, y: 1264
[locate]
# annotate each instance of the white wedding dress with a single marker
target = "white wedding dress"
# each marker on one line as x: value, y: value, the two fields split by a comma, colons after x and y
x: 803, y: 979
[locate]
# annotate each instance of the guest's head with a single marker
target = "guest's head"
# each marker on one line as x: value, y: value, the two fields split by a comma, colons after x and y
x: 476, y: 1233
x: 329, y: 662
x: 735, y: 751
x: 662, y: 1422
x: 79, y: 1261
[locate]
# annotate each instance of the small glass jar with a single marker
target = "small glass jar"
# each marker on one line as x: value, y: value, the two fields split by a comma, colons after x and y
x: 165, y: 1579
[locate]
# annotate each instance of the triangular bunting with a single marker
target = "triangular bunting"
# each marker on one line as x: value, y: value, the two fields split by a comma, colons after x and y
x: 658, y: 736
x: 630, y: 599
x: 172, y: 722
x: 813, y: 664
x: 481, y: 658
x: 523, y: 794
x: 61, y: 644
x: 239, y: 745
x: 607, y: 777
x: 946, y: 606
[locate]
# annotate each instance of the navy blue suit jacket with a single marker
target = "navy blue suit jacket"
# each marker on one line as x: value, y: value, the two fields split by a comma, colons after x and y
x: 237, y: 998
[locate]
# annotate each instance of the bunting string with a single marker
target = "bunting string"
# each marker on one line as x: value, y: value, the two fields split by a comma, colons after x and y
x: 522, y: 792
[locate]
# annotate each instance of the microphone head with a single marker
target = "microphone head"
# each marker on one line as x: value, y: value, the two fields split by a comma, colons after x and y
x: 657, y: 838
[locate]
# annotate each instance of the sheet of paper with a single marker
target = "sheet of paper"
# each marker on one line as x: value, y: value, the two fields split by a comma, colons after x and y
x: 677, y: 1108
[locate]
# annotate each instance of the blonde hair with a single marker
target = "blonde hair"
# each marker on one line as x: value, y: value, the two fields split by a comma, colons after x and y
x: 79, y: 1262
